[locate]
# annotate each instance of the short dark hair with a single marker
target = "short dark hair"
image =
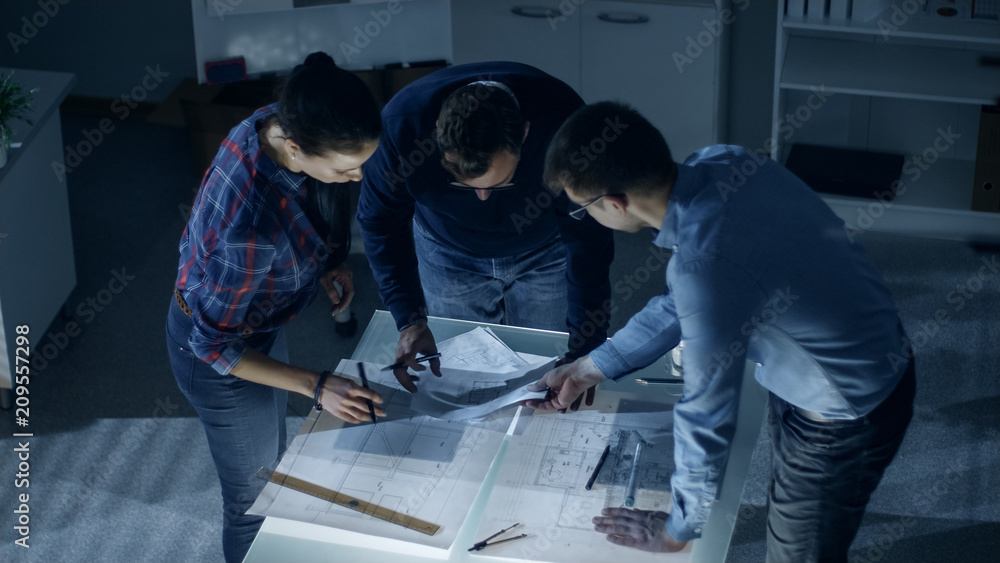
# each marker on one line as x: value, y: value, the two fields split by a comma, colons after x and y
x: 607, y: 148
x: 476, y: 121
x: 325, y: 108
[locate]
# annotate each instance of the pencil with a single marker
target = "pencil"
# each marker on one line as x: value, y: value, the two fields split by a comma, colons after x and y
x: 600, y: 464
x: 364, y: 382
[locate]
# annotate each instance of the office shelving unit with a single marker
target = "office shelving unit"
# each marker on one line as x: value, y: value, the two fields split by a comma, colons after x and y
x: 906, y: 81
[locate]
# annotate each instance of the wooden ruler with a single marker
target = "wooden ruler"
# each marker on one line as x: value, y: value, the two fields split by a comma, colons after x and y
x: 359, y: 505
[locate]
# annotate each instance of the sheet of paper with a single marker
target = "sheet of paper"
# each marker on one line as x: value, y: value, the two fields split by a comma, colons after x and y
x: 465, y: 394
x: 417, y: 465
x: 479, y: 348
x: 542, y: 484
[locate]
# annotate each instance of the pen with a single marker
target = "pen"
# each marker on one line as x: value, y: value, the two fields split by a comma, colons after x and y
x: 656, y: 381
x: 398, y: 365
x: 600, y: 464
x: 633, y: 477
x: 364, y: 382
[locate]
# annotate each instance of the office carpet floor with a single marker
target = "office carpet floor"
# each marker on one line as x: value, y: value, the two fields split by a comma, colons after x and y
x: 119, y: 466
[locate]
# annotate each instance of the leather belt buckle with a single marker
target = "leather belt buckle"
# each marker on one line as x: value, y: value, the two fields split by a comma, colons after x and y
x: 181, y: 303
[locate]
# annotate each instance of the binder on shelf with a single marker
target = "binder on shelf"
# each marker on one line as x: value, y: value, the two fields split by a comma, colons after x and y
x: 795, y: 8
x: 986, y: 178
x: 816, y: 9
x: 867, y: 10
x: 840, y: 9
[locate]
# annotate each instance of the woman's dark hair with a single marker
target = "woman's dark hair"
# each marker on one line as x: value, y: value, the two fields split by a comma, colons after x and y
x: 475, y: 122
x: 330, y: 209
x: 325, y: 108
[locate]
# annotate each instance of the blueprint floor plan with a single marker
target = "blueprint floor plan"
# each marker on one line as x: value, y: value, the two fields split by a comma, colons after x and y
x: 541, y: 484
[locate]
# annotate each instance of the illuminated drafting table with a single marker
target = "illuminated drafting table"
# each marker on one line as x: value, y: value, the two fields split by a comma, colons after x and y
x: 287, y: 540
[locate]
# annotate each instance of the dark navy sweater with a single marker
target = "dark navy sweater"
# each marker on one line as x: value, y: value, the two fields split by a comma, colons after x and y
x: 404, y: 181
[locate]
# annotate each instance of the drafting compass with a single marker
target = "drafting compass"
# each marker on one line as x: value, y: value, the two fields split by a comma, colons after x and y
x: 486, y: 542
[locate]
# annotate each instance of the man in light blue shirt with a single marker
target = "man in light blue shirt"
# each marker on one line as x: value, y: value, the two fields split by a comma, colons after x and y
x: 761, y: 269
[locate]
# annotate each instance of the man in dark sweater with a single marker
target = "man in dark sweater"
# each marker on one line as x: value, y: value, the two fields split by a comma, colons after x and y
x: 458, y: 223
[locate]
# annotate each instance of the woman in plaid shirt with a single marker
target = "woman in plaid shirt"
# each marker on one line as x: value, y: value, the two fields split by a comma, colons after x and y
x: 265, y: 232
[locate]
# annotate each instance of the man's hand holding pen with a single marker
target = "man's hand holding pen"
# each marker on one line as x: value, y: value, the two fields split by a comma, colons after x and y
x: 567, y: 385
x: 415, y: 339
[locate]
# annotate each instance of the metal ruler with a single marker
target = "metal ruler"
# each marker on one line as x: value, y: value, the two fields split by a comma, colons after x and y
x: 348, y: 501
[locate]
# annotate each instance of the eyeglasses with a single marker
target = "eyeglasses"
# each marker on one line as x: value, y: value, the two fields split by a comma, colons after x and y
x: 580, y: 213
x: 497, y: 188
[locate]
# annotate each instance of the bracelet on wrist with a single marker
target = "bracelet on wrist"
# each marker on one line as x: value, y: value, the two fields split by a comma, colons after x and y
x: 319, y: 389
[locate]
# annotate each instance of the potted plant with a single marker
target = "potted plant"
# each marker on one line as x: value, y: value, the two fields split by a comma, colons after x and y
x: 13, y: 105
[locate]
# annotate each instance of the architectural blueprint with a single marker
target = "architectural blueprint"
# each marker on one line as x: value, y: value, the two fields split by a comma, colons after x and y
x: 541, y: 483
x: 414, y: 464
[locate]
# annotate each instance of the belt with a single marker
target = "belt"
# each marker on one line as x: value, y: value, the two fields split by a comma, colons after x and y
x: 183, y: 304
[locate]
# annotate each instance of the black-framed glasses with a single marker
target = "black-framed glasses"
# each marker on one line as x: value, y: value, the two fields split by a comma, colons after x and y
x: 581, y: 212
x: 497, y: 188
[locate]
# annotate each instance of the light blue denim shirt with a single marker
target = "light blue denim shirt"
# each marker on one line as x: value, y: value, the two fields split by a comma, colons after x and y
x: 762, y: 270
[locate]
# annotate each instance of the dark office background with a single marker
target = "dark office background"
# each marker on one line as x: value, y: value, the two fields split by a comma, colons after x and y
x: 120, y: 466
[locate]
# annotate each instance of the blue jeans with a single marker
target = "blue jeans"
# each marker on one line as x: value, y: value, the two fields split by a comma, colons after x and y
x: 823, y: 473
x: 526, y: 290
x: 244, y: 423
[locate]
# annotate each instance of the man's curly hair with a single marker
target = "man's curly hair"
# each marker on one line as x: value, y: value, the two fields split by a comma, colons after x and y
x: 475, y: 122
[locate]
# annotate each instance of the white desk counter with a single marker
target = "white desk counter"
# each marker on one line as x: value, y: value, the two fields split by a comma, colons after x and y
x: 287, y: 540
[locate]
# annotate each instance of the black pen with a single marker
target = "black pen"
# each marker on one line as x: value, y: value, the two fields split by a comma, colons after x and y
x: 364, y: 382
x: 398, y: 365
x: 600, y: 464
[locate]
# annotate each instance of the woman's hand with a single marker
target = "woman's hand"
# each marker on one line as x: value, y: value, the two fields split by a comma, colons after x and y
x: 345, y: 400
x: 340, y: 299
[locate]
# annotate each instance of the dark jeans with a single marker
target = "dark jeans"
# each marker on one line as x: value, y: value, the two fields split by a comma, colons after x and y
x: 244, y: 423
x: 823, y: 473
x: 527, y: 289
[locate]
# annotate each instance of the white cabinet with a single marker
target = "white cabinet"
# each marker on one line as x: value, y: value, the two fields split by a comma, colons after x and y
x: 903, y: 82
x: 664, y: 58
x: 37, y: 268
x: 533, y: 32
x: 642, y: 53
